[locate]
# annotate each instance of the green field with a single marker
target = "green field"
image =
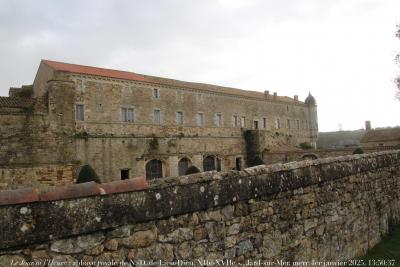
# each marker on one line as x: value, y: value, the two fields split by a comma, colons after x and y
x: 387, y: 249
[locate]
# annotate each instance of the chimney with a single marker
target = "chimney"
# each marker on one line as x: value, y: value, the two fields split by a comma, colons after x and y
x: 266, y: 94
x: 275, y: 95
x: 296, y: 98
x: 368, y: 125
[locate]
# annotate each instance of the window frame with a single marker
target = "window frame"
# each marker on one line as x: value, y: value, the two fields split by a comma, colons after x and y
x: 125, y: 114
x: 219, y: 120
x: 156, y: 114
x: 242, y: 121
x: 277, y: 123
x: 264, y: 121
x: 179, y: 117
x: 156, y: 93
x: 200, y: 119
x: 235, y: 120
x: 77, y: 112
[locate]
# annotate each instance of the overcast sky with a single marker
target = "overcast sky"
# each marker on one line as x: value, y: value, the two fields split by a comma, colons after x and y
x: 341, y: 50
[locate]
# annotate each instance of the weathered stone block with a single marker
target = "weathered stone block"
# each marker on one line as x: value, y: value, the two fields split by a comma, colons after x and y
x: 139, y: 239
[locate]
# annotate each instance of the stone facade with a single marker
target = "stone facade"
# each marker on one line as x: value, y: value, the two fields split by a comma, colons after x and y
x: 324, y: 210
x: 118, y: 122
x: 386, y: 137
x: 38, y: 176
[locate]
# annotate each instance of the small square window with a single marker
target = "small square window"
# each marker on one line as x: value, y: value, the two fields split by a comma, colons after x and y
x: 125, y: 174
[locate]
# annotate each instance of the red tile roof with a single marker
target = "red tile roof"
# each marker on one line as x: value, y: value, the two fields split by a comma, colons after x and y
x: 95, y: 71
x: 15, y: 102
x: 156, y: 80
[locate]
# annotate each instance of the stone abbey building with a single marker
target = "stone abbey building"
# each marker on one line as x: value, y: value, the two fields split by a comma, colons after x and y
x: 125, y: 125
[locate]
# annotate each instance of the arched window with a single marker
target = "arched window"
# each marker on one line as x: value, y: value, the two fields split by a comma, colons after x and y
x: 183, y: 165
x: 209, y: 163
x: 154, y: 169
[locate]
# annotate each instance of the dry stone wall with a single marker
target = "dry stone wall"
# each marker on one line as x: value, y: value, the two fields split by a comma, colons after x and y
x: 326, y: 209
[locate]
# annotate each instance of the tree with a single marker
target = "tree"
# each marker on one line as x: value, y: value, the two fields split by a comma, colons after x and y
x: 397, y: 80
x: 358, y: 150
x: 256, y: 161
x: 192, y: 169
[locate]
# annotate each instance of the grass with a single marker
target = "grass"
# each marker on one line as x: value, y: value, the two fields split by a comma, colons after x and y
x: 387, y: 249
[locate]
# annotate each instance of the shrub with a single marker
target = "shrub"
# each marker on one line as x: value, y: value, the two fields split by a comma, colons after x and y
x: 192, y: 169
x: 87, y: 174
x: 358, y: 151
x: 306, y: 145
x: 256, y: 161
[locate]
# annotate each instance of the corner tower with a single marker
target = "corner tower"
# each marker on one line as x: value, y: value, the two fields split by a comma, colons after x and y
x: 313, y: 119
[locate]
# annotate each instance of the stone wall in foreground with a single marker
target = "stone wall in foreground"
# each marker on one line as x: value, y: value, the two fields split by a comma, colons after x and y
x: 325, y: 209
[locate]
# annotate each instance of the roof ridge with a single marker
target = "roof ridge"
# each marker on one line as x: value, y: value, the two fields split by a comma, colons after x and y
x: 133, y: 76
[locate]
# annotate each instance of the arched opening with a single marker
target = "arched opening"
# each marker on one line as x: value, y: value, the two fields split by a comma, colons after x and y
x: 154, y: 169
x: 209, y: 163
x: 86, y: 174
x: 183, y: 165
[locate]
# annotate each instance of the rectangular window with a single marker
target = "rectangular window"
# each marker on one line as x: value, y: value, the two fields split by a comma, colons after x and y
x: 218, y: 120
x: 235, y: 121
x: 157, y: 116
x: 79, y: 112
x: 200, y: 119
x: 156, y: 93
x: 243, y: 122
x: 277, y: 123
x: 264, y: 123
x: 288, y: 123
x: 179, y: 117
x: 255, y: 124
x: 124, y: 174
x: 238, y: 165
x: 127, y: 114
x: 298, y: 124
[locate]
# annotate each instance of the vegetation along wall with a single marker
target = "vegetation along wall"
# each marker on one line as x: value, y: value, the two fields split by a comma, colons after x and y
x: 324, y: 209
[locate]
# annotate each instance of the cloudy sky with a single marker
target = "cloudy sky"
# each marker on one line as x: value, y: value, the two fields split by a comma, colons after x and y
x: 341, y: 50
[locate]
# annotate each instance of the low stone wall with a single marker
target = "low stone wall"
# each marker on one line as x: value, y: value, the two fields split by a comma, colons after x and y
x: 39, y: 176
x: 326, y: 209
x: 271, y: 157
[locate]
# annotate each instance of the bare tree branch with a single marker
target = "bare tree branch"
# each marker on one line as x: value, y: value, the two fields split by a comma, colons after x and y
x: 397, y: 80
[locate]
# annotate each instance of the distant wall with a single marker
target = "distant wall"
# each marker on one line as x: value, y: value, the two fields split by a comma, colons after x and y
x: 271, y: 157
x: 39, y: 176
x: 326, y: 209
